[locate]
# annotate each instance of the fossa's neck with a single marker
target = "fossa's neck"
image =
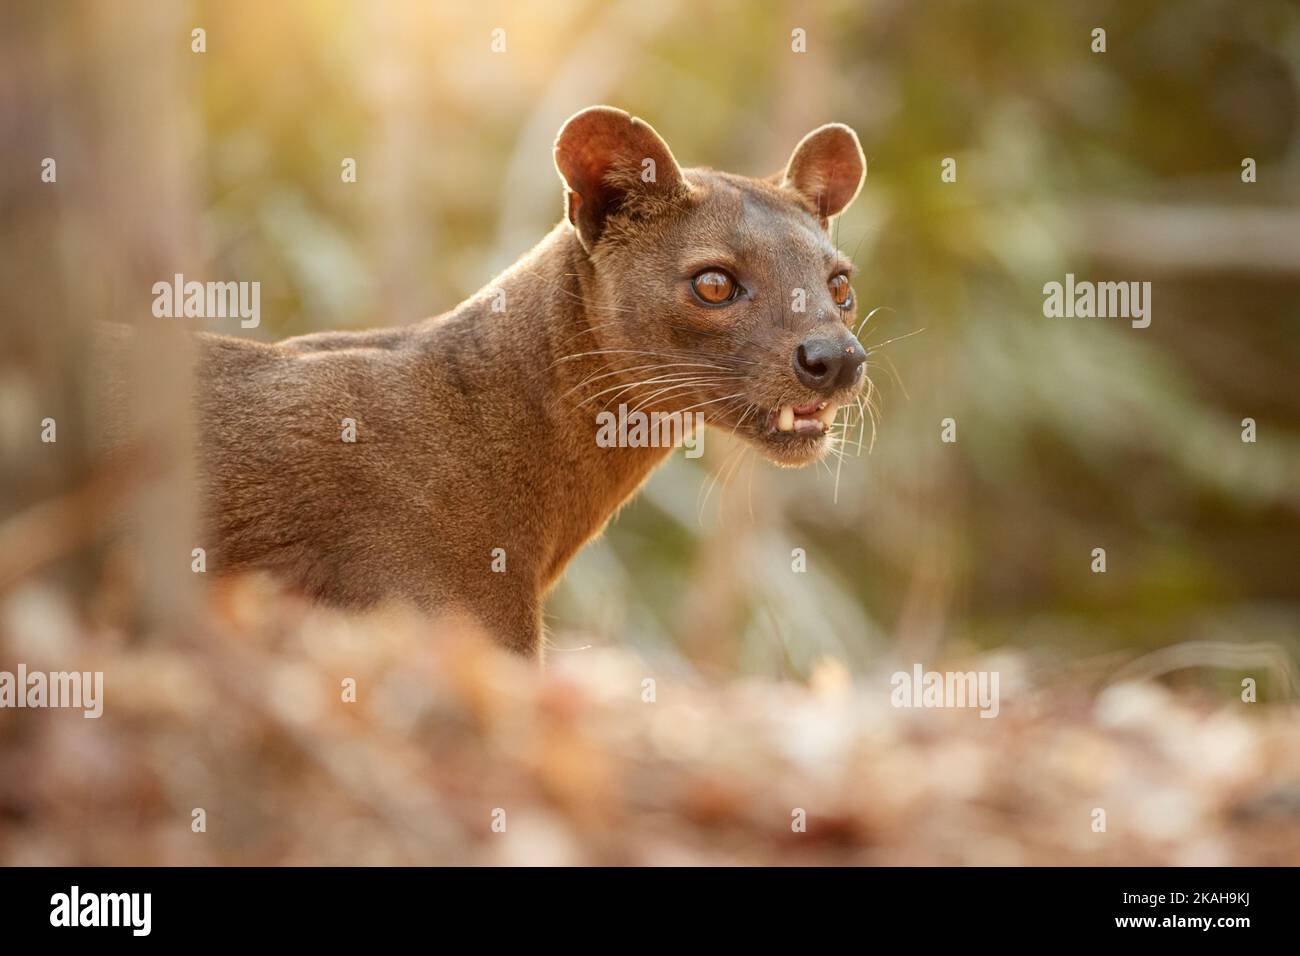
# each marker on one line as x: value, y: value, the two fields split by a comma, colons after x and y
x: 527, y: 347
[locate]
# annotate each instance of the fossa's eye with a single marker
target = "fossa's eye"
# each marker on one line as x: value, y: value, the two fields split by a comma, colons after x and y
x: 715, y: 287
x: 841, y: 291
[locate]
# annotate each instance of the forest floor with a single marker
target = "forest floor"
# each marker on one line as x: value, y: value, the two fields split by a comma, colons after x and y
x: 282, y: 734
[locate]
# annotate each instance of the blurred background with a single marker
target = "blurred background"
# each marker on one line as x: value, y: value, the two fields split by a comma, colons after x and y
x: 1072, y: 434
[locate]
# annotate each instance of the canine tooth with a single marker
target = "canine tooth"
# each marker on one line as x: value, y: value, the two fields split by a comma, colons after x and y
x: 785, y: 421
x: 827, y: 414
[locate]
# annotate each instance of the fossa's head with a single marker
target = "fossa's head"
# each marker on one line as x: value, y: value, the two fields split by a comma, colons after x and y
x: 714, y: 292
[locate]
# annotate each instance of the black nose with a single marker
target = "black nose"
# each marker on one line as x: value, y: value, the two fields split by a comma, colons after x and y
x: 828, y: 361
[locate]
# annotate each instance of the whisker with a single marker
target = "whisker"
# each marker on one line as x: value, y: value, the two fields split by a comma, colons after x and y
x: 678, y: 380
x: 667, y: 390
x: 891, y: 372
x: 639, y: 368
x: 897, y: 377
x: 712, y: 483
x: 710, y: 402
x: 896, y: 338
x: 866, y: 318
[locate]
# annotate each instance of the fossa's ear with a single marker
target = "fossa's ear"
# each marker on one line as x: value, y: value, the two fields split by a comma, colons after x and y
x: 826, y: 169
x: 611, y: 161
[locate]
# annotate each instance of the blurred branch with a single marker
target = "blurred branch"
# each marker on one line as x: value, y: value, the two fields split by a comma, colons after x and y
x: 1214, y: 654
x: 1185, y: 237
x: 58, y: 527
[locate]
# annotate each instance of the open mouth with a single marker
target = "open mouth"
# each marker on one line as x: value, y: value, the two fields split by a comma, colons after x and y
x: 803, y: 421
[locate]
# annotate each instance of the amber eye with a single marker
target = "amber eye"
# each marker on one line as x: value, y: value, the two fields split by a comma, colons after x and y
x: 714, y: 286
x: 841, y: 291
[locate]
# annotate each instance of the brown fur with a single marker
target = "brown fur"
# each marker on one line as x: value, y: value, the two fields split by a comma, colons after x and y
x: 475, y: 430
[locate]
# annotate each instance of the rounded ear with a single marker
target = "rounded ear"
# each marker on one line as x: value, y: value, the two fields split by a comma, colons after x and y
x: 612, y: 161
x: 827, y: 169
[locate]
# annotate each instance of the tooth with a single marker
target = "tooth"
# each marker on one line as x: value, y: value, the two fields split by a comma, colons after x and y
x: 827, y: 414
x: 785, y: 421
